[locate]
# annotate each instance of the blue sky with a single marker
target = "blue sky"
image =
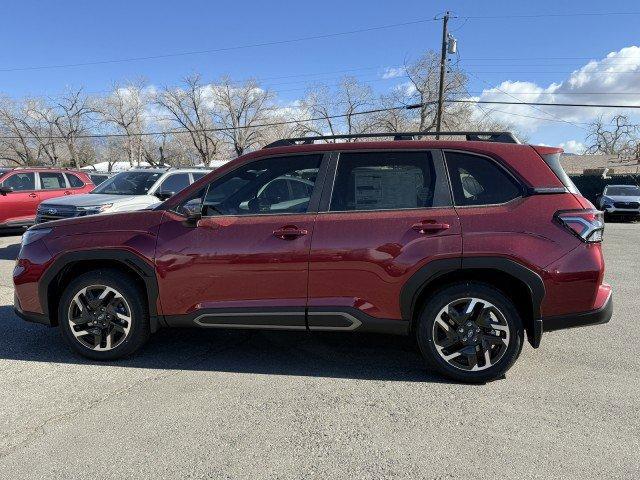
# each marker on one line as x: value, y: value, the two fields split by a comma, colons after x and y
x: 545, y: 50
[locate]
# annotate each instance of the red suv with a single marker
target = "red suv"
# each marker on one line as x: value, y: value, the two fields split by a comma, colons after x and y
x: 22, y: 190
x: 468, y: 245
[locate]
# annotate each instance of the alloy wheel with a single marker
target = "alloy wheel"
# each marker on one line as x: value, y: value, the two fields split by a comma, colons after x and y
x: 471, y: 334
x: 99, y: 317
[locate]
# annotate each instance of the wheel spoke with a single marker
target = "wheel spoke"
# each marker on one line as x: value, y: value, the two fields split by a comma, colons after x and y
x: 471, y: 354
x: 455, y: 316
x: 80, y: 333
x: 487, y: 358
x: 118, y: 328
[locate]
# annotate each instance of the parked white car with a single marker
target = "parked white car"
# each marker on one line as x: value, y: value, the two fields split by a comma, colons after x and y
x: 620, y: 200
x: 124, y: 192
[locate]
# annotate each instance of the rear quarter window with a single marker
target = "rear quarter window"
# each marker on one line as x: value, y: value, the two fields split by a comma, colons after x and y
x: 477, y: 180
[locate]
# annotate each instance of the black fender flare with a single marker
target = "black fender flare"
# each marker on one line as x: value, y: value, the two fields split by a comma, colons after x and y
x: 125, y: 257
x: 437, y: 268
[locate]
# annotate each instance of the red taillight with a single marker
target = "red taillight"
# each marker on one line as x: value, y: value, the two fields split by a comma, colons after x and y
x: 587, y: 224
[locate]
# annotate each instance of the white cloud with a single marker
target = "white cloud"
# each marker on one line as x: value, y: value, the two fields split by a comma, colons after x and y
x: 572, y: 146
x: 618, y: 73
x: 393, y: 72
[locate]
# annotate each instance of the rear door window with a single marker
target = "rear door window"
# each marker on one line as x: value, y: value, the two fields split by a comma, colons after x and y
x: 389, y: 181
x: 52, y: 181
x: 477, y: 180
x: 21, y: 182
x: 74, y: 181
x: 174, y: 183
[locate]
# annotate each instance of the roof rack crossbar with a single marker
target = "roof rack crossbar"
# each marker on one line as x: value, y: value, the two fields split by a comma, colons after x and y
x: 502, y: 137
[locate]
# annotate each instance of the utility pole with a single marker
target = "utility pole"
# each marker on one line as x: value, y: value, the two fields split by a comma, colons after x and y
x: 443, y: 68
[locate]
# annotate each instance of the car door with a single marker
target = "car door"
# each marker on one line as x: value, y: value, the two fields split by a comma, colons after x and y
x: 245, y: 262
x: 52, y: 185
x: 388, y: 214
x: 76, y: 184
x: 20, y: 205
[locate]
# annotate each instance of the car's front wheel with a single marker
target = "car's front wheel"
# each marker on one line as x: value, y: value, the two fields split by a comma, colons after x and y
x: 103, y: 315
x: 470, y: 332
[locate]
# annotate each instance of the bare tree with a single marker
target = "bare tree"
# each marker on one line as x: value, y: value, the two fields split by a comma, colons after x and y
x: 70, y: 116
x: 618, y: 137
x: 422, y: 88
x: 190, y: 109
x: 16, y: 146
x: 239, y: 111
x: 124, y: 111
x: 338, y: 112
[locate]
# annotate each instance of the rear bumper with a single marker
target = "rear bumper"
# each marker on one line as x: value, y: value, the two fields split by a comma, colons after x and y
x: 592, y: 317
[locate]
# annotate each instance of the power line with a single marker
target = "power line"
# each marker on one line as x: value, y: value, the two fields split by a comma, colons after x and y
x: 551, y: 15
x: 531, y: 106
x: 545, y: 104
x: 330, y: 117
x: 219, y: 50
x: 226, y: 129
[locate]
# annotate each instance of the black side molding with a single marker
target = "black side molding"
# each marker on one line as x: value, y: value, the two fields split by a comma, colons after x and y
x: 437, y: 268
x: 145, y: 271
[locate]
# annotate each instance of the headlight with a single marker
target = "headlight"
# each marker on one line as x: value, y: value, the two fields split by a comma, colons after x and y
x: 96, y: 208
x: 31, y: 236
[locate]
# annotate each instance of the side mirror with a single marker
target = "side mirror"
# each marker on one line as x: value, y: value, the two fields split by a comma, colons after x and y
x: 164, y: 195
x: 192, y: 220
x: 5, y: 190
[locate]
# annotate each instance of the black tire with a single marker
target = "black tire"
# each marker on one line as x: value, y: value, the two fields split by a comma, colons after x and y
x: 458, y: 292
x: 139, y: 330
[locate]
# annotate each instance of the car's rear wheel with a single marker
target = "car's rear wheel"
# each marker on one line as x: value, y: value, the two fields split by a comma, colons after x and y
x: 103, y: 315
x: 470, y: 332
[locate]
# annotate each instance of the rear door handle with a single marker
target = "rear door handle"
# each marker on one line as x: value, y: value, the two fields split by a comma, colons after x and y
x: 430, y: 227
x: 67, y: 192
x: 33, y: 195
x: 289, y: 232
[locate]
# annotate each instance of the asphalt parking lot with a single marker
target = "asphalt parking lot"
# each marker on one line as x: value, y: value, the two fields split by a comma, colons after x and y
x: 215, y: 404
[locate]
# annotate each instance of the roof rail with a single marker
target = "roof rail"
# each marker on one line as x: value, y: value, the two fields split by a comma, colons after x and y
x: 42, y: 167
x: 501, y: 137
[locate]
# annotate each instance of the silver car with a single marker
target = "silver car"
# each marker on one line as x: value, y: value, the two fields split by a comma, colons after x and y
x: 124, y: 192
x: 620, y: 200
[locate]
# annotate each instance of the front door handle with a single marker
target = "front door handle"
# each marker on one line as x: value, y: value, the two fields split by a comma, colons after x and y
x: 430, y: 227
x: 33, y: 195
x: 289, y: 232
x: 67, y: 192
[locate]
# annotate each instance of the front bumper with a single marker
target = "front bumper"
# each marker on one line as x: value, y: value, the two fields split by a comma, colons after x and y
x: 592, y: 317
x: 621, y: 211
x: 29, y: 316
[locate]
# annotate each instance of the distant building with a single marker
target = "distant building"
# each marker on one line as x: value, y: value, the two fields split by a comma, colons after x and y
x: 577, y: 164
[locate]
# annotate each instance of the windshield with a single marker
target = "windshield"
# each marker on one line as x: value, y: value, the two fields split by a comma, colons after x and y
x: 128, y: 183
x: 623, y: 191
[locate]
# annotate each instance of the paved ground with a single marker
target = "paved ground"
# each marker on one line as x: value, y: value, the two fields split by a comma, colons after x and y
x: 218, y: 404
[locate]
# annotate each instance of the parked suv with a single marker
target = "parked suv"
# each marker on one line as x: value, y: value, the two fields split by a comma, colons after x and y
x: 466, y: 245
x: 620, y: 200
x: 124, y: 192
x: 22, y: 189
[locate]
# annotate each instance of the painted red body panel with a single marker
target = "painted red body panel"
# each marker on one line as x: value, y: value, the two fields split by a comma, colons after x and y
x: 231, y: 262
x: 135, y: 232
x: 355, y: 259
x: 363, y: 259
x: 21, y: 206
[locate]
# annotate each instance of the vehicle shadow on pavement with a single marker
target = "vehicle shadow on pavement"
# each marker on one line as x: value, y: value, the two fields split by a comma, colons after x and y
x: 9, y: 252
x: 336, y: 355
